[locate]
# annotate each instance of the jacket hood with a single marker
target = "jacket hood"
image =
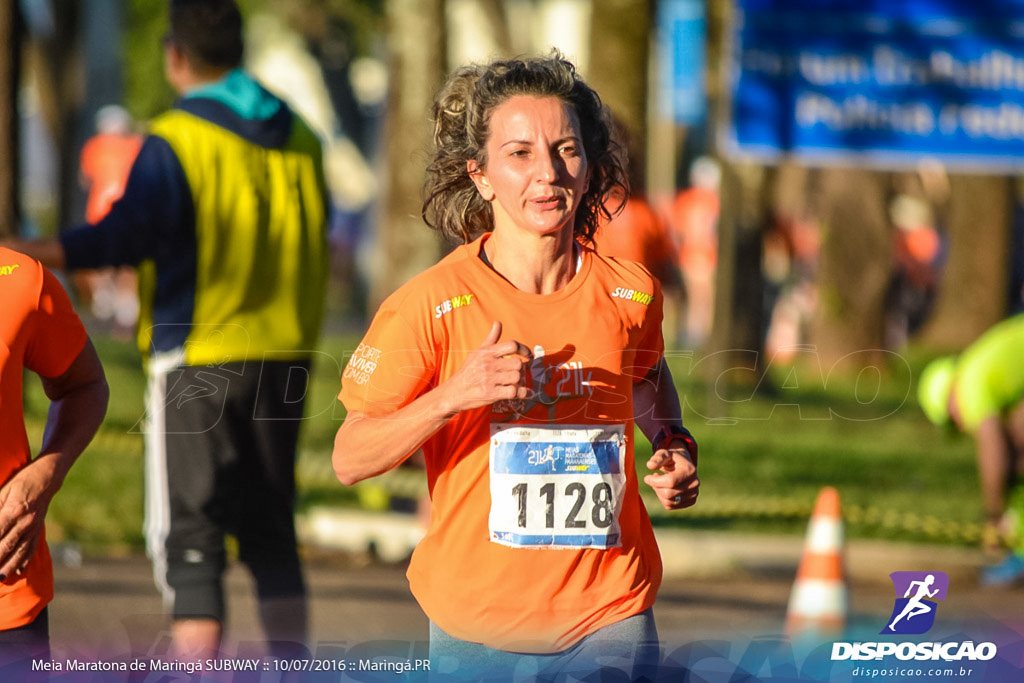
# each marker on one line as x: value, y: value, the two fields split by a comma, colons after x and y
x: 241, y: 105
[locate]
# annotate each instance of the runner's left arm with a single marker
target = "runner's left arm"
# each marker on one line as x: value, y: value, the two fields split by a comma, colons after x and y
x: 674, y: 461
x: 78, y: 403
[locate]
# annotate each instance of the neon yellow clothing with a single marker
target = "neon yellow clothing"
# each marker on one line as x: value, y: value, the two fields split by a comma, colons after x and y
x: 260, y: 258
x: 990, y: 373
x: 225, y: 216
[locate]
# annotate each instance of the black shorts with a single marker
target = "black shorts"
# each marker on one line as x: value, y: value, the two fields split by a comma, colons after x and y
x: 20, y: 646
x: 220, y: 459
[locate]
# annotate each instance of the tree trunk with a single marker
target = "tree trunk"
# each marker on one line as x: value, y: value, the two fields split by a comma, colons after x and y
x: 737, y: 337
x: 10, y: 70
x: 620, y: 33
x: 855, y: 266
x: 494, y: 10
x: 60, y: 81
x: 973, y: 292
x: 416, y: 40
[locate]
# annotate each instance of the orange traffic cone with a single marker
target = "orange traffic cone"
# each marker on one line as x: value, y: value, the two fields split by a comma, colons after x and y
x: 818, y: 603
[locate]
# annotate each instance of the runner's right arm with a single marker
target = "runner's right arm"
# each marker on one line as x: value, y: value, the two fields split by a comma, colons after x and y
x: 994, y: 461
x: 156, y: 209
x: 367, y: 445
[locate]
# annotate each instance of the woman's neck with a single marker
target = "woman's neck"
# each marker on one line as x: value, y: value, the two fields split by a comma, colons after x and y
x: 533, y: 264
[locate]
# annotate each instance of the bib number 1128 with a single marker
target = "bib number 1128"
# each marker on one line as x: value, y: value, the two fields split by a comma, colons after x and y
x: 556, y: 486
x: 601, y: 507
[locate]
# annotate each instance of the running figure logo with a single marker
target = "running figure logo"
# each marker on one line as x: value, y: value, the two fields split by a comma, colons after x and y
x: 914, y: 613
x: 551, y: 381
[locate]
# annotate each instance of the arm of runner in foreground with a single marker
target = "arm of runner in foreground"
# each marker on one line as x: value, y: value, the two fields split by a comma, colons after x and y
x: 48, y: 250
x: 366, y: 446
x: 674, y: 461
x: 78, y: 403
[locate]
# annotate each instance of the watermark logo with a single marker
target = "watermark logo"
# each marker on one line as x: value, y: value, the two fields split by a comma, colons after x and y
x: 914, y: 612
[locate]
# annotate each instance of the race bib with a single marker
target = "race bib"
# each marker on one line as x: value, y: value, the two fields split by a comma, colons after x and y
x: 557, y: 486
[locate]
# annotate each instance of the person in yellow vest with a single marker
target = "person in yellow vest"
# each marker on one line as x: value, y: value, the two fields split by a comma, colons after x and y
x: 981, y: 392
x: 224, y: 214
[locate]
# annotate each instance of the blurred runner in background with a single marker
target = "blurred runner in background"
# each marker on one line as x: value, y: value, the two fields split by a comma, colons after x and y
x: 982, y: 393
x: 639, y: 233
x: 106, y: 159
x: 693, y: 223
x: 225, y: 213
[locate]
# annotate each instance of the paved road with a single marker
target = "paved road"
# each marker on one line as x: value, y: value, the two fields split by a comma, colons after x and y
x: 718, y: 586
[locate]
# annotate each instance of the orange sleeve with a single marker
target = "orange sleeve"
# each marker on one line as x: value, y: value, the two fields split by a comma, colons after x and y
x: 57, y: 334
x: 651, y: 344
x: 87, y: 160
x: 390, y: 367
x: 644, y: 322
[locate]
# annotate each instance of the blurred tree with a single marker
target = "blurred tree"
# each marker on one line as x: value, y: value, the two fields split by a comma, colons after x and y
x: 620, y: 31
x: 55, y: 66
x: 416, y: 67
x: 360, y: 20
x: 737, y: 337
x: 740, y: 295
x: 10, y: 70
x: 855, y: 264
x: 147, y: 92
x: 497, y: 23
x: 481, y: 30
x: 972, y: 294
x: 337, y: 32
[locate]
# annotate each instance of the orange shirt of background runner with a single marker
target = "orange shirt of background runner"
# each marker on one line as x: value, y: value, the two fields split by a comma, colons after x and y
x: 40, y: 331
x: 638, y: 234
x: 105, y: 162
x: 694, y: 221
x: 599, y: 334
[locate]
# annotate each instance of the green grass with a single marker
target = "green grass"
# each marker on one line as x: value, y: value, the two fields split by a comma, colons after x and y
x: 767, y: 446
x: 766, y: 451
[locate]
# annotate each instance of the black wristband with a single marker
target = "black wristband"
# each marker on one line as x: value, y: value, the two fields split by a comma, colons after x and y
x: 667, y: 434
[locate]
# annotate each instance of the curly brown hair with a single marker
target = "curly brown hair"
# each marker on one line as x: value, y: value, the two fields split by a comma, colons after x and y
x: 462, y: 113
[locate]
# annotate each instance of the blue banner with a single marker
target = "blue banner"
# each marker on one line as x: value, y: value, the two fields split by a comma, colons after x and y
x: 880, y: 83
x: 682, y: 30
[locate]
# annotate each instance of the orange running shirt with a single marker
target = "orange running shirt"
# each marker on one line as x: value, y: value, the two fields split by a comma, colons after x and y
x: 40, y: 331
x: 694, y: 221
x: 638, y: 234
x: 591, y: 341
x: 106, y: 160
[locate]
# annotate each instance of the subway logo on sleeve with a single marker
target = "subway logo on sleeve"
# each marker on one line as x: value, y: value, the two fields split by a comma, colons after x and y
x: 633, y: 295
x: 449, y: 305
